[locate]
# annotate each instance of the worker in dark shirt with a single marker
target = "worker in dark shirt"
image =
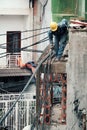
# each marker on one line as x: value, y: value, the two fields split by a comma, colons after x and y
x: 58, y: 36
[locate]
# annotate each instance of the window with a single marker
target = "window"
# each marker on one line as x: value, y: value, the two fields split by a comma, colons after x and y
x: 13, y: 42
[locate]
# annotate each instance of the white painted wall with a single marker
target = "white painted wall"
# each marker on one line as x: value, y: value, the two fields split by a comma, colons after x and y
x: 16, y: 16
x: 8, y: 23
x: 14, y: 4
x: 17, y: 7
x: 46, y: 19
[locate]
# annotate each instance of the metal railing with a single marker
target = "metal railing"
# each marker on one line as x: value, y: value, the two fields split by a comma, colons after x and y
x: 16, y: 103
x: 12, y: 60
x: 21, y: 115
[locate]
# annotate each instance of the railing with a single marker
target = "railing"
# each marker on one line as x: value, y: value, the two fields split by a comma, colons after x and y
x: 13, y: 113
x: 21, y: 115
x: 12, y: 60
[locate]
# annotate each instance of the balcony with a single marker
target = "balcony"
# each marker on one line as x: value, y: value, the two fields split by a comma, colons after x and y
x: 12, y: 60
x: 12, y: 68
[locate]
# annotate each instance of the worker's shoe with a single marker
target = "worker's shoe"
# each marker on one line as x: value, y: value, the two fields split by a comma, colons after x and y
x: 57, y: 59
x: 62, y: 59
x: 65, y: 55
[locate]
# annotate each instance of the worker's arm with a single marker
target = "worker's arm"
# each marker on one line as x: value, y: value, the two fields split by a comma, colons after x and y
x: 29, y: 66
x: 50, y: 35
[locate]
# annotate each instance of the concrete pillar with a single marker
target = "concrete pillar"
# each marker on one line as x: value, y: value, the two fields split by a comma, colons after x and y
x: 76, y: 76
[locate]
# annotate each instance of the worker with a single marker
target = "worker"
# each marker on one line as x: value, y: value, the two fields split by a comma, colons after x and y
x: 58, y: 37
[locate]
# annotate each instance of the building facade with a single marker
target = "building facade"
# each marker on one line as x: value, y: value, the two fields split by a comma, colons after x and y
x: 16, y: 18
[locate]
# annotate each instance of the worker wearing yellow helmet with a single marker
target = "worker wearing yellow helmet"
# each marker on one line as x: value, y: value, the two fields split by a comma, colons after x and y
x: 53, y: 26
x: 58, y: 35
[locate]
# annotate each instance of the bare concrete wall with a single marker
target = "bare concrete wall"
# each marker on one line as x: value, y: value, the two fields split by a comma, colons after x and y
x: 77, y: 77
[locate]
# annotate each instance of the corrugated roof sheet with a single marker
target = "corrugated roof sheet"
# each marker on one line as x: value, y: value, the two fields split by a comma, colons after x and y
x: 4, y: 72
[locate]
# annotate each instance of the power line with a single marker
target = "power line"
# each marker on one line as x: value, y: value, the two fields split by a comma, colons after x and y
x: 23, y: 39
x: 3, y: 56
x: 34, y: 35
x: 2, y: 53
x: 29, y: 81
x: 2, y: 44
x: 43, y: 40
x: 4, y: 90
x: 3, y: 47
x: 16, y: 87
x: 32, y: 50
x: 27, y: 50
x: 24, y: 31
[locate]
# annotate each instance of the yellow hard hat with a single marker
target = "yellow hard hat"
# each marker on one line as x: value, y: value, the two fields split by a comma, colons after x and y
x: 53, y: 26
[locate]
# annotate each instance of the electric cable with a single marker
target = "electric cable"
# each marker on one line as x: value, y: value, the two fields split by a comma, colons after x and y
x: 2, y: 44
x: 24, y: 31
x: 10, y: 92
x: 4, y: 56
x: 29, y: 81
x: 3, y: 47
x: 4, y: 90
x: 27, y: 50
x: 23, y: 38
x: 34, y: 35
x: 32, y: 50
x: 2, y: 53
x: 43, y: 40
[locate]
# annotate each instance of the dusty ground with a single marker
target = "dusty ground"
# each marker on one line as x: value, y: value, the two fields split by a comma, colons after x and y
x: 56, y: 114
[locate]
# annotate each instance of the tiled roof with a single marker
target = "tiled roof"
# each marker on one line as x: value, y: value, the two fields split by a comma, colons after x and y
x: 4, y: 72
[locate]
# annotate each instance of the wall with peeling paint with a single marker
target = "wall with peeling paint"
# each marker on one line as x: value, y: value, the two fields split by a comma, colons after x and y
x: 77, y: 77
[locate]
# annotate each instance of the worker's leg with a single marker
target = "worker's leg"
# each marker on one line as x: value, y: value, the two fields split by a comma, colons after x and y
x: 62, y: 44
x: 56, y: 47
